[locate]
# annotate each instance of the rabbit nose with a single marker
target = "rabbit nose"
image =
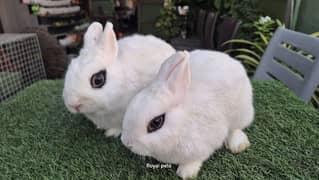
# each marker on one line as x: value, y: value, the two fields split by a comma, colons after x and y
x: 77, y: 107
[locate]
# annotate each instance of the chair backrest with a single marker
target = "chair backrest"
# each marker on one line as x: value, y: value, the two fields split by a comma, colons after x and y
x: 209, y: 32
x: 292, y: 58
x: 226, y: 31
x: 201, y: 23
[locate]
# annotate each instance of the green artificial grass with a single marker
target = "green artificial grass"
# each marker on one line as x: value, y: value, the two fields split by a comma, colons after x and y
x: 40, y: 139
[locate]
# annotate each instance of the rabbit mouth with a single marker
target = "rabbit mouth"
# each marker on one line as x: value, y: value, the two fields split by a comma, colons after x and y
x: 141, y: 151
x: 78, y: 109
x: 88, y: 109
x: 72, y: 109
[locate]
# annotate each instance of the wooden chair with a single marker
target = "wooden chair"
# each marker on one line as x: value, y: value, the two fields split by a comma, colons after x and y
x: 226, y: 31
x: 209, y: 32
x: 195, y: 41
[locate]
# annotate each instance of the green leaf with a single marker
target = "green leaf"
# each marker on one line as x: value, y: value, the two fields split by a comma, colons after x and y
x: 243, y: 50
x: 263, y: 38
x: 248, y: 59
x: 218, y: 4
x: 316, y: 34
x: 279, y: 23
x: 242, y: 41
x: 316, y: 100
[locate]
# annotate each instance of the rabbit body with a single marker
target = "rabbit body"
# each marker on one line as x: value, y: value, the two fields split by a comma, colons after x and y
x: 130, y: 64
x: 207, y: 101
x: 139, y: 65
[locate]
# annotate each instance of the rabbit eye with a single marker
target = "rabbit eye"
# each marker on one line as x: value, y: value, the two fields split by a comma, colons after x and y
x: 156, y: 123
x: 98, y: 79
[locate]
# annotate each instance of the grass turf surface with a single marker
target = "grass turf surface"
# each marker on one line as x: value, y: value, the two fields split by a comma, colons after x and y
x: 39, y: 139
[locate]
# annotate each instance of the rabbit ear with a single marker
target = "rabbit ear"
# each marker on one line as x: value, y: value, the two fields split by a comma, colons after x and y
x: 109, y: 42
x: 175, y: 74
x: 93, y: 34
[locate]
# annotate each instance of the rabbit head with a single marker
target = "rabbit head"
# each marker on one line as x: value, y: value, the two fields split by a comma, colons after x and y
x: 93, y: 77
x: 150, y: 126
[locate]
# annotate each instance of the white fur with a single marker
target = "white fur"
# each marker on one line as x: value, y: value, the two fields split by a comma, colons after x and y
x: 131, y: 63
x: 237, y: 141
x: 205, y: 97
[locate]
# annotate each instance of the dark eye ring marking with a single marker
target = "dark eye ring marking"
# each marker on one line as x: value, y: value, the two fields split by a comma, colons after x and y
x: 156, y: 123
x: 98, y: 79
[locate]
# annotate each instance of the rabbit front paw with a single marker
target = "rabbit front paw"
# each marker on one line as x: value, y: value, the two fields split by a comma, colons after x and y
x: 189, y: 170
x: 112, y: 132
x: 237, y: 141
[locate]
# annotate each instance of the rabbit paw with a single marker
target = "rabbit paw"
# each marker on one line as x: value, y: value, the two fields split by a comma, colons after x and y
x: 189, y: 170
x: 112, y: 132
x: 237, y: 141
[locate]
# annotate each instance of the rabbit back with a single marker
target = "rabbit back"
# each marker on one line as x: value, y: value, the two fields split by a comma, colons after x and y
x: 221, y: 84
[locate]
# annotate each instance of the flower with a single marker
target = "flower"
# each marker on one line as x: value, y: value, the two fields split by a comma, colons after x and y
x: 263, y: 20
x: 183, y: 10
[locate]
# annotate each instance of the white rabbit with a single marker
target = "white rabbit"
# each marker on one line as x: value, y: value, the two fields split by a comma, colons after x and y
x: 197, y: 102
x: 100, y: 82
